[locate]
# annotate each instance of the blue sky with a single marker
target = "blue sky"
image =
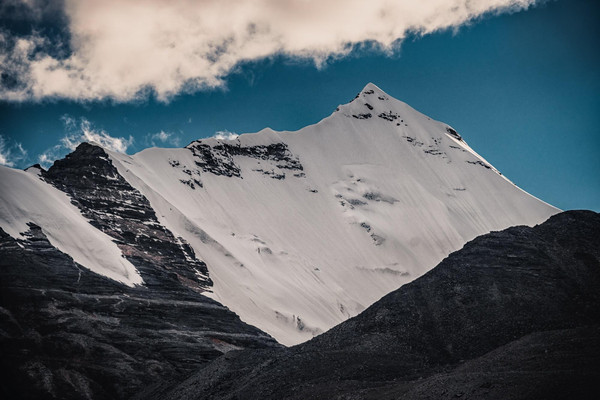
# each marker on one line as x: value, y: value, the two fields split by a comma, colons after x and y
x: 521, y: 87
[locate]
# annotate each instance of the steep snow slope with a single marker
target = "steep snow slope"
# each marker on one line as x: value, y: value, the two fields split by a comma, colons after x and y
x: 25, y: 198
x: 301, y: 230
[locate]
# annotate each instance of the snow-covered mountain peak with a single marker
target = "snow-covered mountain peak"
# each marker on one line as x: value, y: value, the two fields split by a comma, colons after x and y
x: 301, y: 230
x: 372, y: 86
x: 375, y: 91
x: 371, y: 91
x: 369, y: 102
x: 386, y: 114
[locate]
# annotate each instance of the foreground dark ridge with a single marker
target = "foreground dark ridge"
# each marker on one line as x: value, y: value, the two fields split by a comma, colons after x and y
x: 512, y: 315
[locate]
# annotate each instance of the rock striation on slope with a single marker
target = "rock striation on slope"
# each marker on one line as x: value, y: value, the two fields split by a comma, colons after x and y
x: 113, y: 206
x: 512, y: 315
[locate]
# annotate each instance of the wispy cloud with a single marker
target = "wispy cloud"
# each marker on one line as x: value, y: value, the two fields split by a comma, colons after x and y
x: 84, y: 132
x: 225, y: 135
x: 124, y: 50
x: 79, y: 131
x: 11, y: 153
x: 163, y: 138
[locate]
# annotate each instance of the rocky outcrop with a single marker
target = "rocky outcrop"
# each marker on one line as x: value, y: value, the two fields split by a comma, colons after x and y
x: 514, y: 314
x: 218, y: 159
x: 112, y: 205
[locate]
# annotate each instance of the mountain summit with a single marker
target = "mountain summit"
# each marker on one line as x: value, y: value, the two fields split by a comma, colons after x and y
x: 293, y: 231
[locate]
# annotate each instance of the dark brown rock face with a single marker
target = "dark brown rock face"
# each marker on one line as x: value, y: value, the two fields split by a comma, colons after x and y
x: 514, y: 314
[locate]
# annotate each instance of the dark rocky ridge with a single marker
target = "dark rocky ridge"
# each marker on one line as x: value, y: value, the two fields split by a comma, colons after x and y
x: 68, y: 333
x: 514, y: 314
x: 454, y: 134
x: 112, y: 205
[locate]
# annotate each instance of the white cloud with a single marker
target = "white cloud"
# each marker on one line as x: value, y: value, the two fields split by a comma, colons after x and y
x: 225, y: 135
x: 47, y: 158
x: 11, y: 153
x: 124, y: 49
x: 162, y: 138
x: 79, y: 131
x: 4, y: 154
x: 86, y: 133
